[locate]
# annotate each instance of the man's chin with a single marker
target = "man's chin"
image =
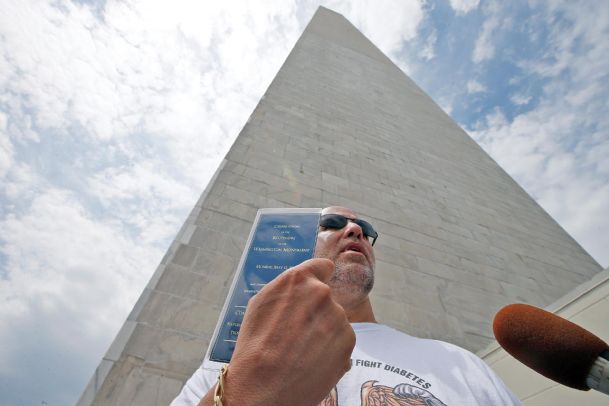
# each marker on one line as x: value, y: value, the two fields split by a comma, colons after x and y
x: 353, y: 257
x: 350, y: 274
x: 351, y: 287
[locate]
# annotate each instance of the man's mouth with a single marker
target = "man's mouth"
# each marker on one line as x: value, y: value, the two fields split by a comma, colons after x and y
x: 353, y: 248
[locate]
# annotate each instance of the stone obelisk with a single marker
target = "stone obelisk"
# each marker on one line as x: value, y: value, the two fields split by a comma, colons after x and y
x: 343, y: 125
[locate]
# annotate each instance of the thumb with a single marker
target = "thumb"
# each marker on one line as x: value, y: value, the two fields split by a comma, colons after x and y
x: 321, y: 268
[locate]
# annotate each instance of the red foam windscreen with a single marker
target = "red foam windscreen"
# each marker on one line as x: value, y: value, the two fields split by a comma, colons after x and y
x: 556, y: 348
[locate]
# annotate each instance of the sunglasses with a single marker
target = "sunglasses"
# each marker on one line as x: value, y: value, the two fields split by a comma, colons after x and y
x: 337, y: 221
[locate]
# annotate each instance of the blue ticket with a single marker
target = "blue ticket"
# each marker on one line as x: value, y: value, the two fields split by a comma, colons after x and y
x: 279, y: 239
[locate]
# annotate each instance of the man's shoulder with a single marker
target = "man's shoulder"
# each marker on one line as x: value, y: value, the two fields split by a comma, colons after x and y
x: 391, y: 336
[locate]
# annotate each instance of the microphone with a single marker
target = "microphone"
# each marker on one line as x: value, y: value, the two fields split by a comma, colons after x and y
x: 556, y: 348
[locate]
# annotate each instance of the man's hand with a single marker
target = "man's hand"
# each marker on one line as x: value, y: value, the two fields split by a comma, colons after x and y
x: 294, y: 344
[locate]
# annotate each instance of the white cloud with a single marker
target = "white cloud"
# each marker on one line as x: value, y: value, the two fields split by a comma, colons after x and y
x: 141, y: 181
x: 55, y: 246
x: 473, y: 86
x: 597, y: 157
x: 387, y: 30
x: 20, y: 185
x: 149, y: 202
x: 447, y: 107
x: 569, y: 182
x: 70, y: 283
x: 6, y: 147
x: 557, y: 150
x: 146, y: 67
x: 520, y: 99
x: 462, y: 7
x: 485, y: 48
x: 428, y: 52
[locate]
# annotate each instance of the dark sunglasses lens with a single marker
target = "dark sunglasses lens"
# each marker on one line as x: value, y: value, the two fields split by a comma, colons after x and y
x: 333, y: 221
x: 366, y: 228
x: 337, y: 221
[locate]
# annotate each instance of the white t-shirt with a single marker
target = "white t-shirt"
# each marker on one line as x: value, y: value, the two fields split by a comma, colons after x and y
x: 389, y: 367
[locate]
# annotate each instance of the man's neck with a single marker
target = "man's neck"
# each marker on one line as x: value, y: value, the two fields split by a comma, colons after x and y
x: 361, y: 312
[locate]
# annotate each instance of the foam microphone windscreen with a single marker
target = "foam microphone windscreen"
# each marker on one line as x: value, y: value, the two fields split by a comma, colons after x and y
x: 556, y: 348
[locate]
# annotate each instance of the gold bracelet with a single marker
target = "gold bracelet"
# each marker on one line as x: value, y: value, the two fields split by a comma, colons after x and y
x: 219, y: 392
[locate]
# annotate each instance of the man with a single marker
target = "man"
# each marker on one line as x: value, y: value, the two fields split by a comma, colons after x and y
x: 297, y: 343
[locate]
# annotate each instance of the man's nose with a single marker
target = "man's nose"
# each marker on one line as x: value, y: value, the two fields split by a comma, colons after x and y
x: 353, y: 230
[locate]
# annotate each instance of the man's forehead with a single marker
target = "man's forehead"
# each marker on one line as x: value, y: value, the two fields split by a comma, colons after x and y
x: 339, y: 210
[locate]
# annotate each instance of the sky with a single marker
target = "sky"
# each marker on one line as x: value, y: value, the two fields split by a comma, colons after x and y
x: 114, y: 115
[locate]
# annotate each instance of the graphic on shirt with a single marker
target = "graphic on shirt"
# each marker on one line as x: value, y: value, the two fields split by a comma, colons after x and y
x: 380, y: 395
x: 331, y: 398
x: 401, y: 395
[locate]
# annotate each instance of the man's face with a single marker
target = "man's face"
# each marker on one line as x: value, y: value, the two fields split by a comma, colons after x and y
x: 351, y: 252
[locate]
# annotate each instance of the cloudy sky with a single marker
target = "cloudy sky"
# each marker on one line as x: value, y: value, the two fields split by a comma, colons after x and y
x: 115, y: 114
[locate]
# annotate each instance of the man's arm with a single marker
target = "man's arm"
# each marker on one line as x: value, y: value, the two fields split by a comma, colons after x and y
x: 294, y: 344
